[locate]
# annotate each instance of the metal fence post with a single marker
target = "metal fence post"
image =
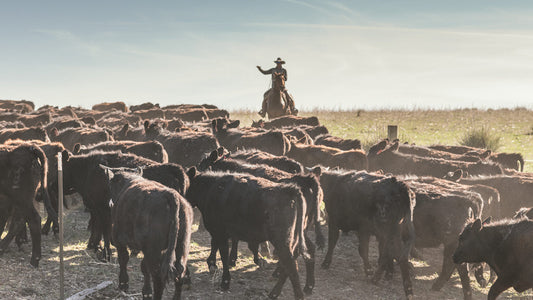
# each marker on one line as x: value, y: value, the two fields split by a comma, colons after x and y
x: 60, y: 220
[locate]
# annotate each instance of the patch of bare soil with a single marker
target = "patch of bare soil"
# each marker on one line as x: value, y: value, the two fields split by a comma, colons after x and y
x: 344, y: 279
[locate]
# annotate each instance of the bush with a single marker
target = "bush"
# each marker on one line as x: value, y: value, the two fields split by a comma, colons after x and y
x: 481, y: 138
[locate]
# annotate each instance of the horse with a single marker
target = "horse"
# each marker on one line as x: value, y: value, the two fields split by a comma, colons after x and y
x: 277, y: 103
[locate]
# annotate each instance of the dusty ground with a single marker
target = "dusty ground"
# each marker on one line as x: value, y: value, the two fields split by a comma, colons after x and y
x: 344, y: 280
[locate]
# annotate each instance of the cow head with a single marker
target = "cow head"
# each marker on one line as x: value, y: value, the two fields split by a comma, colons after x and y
x: 220, y: 125
x: 470, y: 248
x: 258, y: 124
x: 115, y: 178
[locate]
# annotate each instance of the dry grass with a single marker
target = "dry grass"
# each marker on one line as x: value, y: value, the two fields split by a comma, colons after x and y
x: 426, y: 127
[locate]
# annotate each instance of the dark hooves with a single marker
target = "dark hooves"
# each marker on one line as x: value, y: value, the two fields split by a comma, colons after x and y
x: 308, y: 290
x: 123, y: 286
x: 147, y: 297
x: 325, y: 265
x: 225, y: 284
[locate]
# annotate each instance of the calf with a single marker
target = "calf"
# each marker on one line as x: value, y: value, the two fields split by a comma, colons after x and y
x: 337, y: 142
x: 311, y: 155
x: 506, y: 246
x: 23, y: 175
x: 152, y: 218
x: 259, y: 157
x: 286, y: 121
x: 370, y: 204
x: 254, y: 210
x: 271, y: 141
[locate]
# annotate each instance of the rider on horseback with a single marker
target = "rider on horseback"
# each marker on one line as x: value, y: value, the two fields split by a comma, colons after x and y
x: 278, y: 69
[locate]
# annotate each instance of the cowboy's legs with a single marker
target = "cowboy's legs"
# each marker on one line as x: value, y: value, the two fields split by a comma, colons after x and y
x: 290, y: 102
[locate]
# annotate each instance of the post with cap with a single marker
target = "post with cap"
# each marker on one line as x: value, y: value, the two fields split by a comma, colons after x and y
x: 60, y: 220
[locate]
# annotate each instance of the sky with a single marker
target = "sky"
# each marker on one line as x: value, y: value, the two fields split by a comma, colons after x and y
x: 340, y: 54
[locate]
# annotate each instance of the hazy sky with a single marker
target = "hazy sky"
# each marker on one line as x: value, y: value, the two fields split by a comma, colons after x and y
x: 340, y: 54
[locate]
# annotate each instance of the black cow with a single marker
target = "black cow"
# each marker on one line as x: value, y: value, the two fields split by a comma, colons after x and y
x: 150, y: 217
x: 371, y: 204
x: 150, y: 149
x: 253, y: 210
x: 24, y: 171
x: 506, y: 246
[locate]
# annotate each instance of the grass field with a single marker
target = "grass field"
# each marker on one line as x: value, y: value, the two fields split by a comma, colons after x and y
x: 426, y: 127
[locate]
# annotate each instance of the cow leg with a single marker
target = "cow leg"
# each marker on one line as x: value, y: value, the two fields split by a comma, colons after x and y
x: 364, y: 241
x: 147, y: 286
x: 233, y: 253
x: 14, y: 227
x: 319, y: 236
x: 21, y: 237
x: 447, y: 268
x: 333, y: 237
x: 94, y: 227
x: 212, y: 259
x: 465, y: 281
x: 223, y: 249
x: 289, y: 268
x: 258, y: 259
x: 497, y: 288
x: 106, y: 231
x: 157, y: 279
x: 383, y: 259
x: 478, y: 273
x: 309, y: 267
x: 34, y: 221
x: 123, y: 278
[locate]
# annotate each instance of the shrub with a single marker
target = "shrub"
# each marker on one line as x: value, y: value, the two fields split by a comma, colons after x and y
x: 481, y: 138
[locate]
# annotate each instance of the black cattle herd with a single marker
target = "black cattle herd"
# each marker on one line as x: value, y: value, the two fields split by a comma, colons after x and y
x: 141, y: 170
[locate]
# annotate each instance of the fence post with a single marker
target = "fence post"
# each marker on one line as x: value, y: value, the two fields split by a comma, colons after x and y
x: 60, y: 220
x: 392, y: 132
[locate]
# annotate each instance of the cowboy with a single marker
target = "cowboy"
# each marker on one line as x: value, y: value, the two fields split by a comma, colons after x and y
x: 278, y: 69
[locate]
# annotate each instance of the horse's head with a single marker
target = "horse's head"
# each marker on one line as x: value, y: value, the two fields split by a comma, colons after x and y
x: 279, y: 81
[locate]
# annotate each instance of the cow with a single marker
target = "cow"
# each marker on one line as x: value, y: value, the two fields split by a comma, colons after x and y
x: 150, y: 217
x: 309, y: 184
x: 314, y: 131
x: 337, y: 142
x: 370, y: 204
x: 150, y: 113
x: 253, y: 210
x: 84, y: 136
x: 108, y: 106
x: 260, y: 157
x: 188, y: 115
x: 438, y: 218
x: 22, y: 106
x: 179, y: 144
x: 311, y: 155
x: 150, y: 149
x: 64, y: 123
x: 387, y: 158
x: 428, y: 152
x: 514, y: 191
x: 231, y: 138
x: 458, y: 149
x: 509, y: 160
x: 286, y: 121
x: 506, y: 246
x: 143, y: 106
x: 214, y: 113
x: 24, y: 174
x: 35, y: 120
x: 31, y: 133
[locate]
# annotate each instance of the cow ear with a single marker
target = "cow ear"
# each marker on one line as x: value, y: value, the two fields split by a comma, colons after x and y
x: 192, y: 172
x: 164, y: 125
x: 477, y: 225
x: 214, y: 155
x: 317, y: 171
x: 139, y: 171
x: 146, y: 124
x: 234, y: 124
x: 76, y: 149
x: 395, y: 146
x: 125, y: 127
x: 65, y: 155
x: 487, y: 220
x: 485, y: 154
x: 54, y: 132
x: 220, y: 151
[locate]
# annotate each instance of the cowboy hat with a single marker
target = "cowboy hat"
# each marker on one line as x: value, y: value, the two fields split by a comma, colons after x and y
x: 279, y: 61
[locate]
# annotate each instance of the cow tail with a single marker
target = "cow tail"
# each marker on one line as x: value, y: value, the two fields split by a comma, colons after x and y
x: 300, y: 225
x: 39, y: 154
x: 168, y: 268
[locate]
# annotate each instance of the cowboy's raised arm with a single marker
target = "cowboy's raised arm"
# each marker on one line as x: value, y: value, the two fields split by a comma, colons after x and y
x: 263, y: 71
